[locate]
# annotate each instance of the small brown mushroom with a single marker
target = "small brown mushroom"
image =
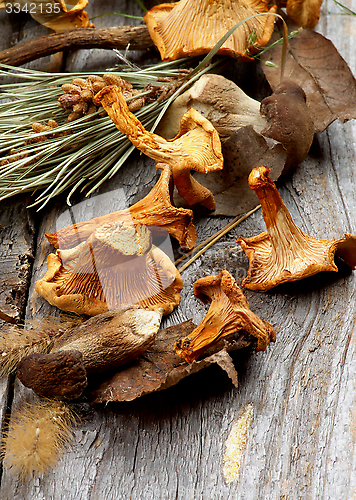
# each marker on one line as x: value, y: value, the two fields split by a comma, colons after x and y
x: 61, y: 375
x: 116, y: 266
x: 155, y: 210
x: 194, y: 27
x: 289, y: 121
x: 104, y: 342
x: 228, y: 313
x: 284, y: 252
x: 196, y: 147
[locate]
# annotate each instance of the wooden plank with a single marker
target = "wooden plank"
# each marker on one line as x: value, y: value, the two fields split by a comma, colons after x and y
x: 17, y: 242
x: 295, y: 402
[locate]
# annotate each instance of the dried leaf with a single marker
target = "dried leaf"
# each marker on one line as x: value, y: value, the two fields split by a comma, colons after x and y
x: 314, y: 63
x: 160, y: 367
x: 242, y: 151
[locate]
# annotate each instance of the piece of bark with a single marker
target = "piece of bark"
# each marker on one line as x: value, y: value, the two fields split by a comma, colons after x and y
x: 160, y: 367
x: 119, y: 37
x: 59, y: 374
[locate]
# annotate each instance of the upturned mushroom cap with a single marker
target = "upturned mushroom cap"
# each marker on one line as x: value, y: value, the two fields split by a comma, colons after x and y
x: 193, y: 27
x: 284, y: 252
x: 115, y: 266
x: 228, y: 313
x: 196, y: 147
x: 155, y: 209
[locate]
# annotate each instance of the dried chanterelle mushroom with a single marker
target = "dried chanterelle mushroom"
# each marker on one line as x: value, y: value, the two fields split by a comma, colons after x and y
x: 193, y: 27
x: 196, y: 147
x: 116, y: 266
x: 283, y: 116
x: 304, y: 13
x: 228, y: 313
x: 284, y: 252
x: 155, y: 210
x: 58, y: 15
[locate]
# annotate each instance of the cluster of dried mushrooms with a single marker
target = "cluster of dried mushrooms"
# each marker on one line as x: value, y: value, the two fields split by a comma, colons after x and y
x: 110, y: 267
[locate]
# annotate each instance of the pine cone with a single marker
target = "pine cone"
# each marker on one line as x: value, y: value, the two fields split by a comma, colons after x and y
x: 78, y: 96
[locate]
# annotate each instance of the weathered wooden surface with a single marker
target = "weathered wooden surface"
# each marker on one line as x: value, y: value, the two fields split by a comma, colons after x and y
x: 300, y: 392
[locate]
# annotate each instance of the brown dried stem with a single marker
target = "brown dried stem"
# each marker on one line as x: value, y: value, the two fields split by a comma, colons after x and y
x: 119, y: 37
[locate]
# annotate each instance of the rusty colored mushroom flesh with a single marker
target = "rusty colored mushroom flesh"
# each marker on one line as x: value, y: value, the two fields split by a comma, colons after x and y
x: 194, y: 27
x: 228, y: 313
x: 155, y: 210
x: 116, y: 266
x: 104, y: 342
x: 304, y: 13
x: 284, y: 252
x: 196, y: 147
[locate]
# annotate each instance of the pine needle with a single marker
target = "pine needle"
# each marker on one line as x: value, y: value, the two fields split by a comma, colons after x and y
x: 80, y: 154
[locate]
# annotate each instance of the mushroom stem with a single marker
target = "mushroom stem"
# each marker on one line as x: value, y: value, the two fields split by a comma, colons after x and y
x: 196, y: 147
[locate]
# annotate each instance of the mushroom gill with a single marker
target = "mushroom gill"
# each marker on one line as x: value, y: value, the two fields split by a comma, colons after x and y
x: 196, y: 147
x: 193, y: 27
x: 228, y: 313
x: 116, y: 266
x: 284, y: 252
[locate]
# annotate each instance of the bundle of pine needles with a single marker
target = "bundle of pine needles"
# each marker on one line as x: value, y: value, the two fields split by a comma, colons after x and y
x: 80, y: 154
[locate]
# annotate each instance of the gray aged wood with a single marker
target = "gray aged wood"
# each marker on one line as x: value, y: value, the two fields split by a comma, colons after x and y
x: 170, y: 445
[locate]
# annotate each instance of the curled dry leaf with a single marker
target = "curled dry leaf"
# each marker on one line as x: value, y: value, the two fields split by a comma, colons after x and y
x: 284, y: 252
x: 314, y: 63
x: 229, y: 312
x: 194, y: 27
x: 160, y: 367
x: 196, y: 147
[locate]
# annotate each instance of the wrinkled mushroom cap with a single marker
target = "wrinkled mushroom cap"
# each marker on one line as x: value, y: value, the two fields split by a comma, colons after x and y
x: 228, y: 313
x: 193, y: 27
x: 284, y: 252
x: 115, y: 266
